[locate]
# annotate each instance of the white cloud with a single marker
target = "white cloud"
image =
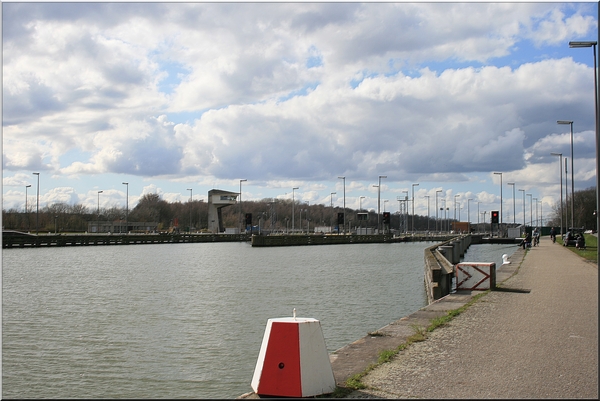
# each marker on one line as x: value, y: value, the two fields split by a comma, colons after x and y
x: 290, y: 92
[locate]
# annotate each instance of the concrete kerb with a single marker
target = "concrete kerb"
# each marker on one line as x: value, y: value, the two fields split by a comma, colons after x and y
x: 358, y: 357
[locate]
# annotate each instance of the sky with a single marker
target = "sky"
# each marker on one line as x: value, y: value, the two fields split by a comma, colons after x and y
x: 168, y: 97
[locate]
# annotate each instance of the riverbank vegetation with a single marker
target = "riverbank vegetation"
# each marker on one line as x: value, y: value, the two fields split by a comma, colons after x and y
x: 270, y: 214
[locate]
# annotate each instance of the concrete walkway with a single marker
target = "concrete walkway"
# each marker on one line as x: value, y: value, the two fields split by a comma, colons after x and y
x: 537, y: 344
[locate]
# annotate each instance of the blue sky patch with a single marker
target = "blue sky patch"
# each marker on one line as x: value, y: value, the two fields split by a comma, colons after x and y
x: 176, y: 72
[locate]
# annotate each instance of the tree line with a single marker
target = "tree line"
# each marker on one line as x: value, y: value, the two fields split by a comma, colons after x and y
x: 270, y: 214
x: 584, y: 211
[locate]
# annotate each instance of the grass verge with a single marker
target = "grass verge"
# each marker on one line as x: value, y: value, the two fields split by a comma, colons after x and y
x: 591, y: 248
x: 420, y: 334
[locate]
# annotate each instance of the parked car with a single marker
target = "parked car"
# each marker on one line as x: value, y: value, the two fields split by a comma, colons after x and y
x: 570, y: 238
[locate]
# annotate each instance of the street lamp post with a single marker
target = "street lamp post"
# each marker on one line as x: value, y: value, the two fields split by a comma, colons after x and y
x: 514, y: 206
x: 455, y: 196
x: 379, y: 202
x: 405, y: 206
x: 331, y: 203
x: 293, y: 201
x: 469, y: 212
x: 567, y: 193
x: 524, y: 221
x: 501, y: 215
x: 190, y: 224
x: 442, y: 216
x: 530, y: 210
x: 98, y: 226
x: 126, y: 207
x: 384, y: 202
x: 484, y: 213
x: 427, y: 196
x: 563, y: 122
x: 597, y: 111
x: 436, y: 210
x: 37, y: 208
x: 241, y: 218
x: 478, y: 228
x: 26, y: 211
x: 561, y: 191
x: 343, y: 178
x: 413, y: 207
x: 360, y: 210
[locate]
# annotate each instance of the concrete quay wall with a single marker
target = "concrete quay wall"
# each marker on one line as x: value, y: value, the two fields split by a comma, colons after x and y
x: 37, y: 241
x: 439, y: 265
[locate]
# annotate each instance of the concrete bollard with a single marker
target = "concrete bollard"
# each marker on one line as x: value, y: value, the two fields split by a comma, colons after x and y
x: 293, y: 360
x: 449, y: 252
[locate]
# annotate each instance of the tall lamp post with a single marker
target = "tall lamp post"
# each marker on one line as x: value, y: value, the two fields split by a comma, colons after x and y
x: 127, y: 208
x: 469, y: 213
x: 405, y: 206
x: 436, y: 210
x: 455, y: 202
x: 293, y: 201
x: 343, y: 178
x: 26, y: 211
x: 530, y: 210
x: 514, y: 205
x: 524, y: 221
x: 427, y: 196
x: 561, y: 192
x: 413, y: 207
x: 37, y: 208
x: 379, y: 202
x: 360, y: 210
x: 593, y: 45
x: 536, y: 214
x: 191, y: 197
x: 567, y: 193
x: 564, y: 122
x: 241, y: 218
x: 98, y: 227
x: 331, y: 204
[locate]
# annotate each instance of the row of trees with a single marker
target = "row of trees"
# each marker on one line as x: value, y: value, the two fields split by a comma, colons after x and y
x: 584, y: 211
x: 275, y: 214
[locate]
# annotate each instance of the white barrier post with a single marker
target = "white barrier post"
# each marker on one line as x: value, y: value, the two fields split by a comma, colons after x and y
x: 293, y: 360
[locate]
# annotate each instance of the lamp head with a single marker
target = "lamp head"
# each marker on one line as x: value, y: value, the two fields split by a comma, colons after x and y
x: 582, y: 44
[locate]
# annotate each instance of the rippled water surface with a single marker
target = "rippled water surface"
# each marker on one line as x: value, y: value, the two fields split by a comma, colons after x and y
x: 187, y: 320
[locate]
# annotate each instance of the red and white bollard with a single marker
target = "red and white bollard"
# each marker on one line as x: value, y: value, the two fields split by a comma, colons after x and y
x: 293, y: 360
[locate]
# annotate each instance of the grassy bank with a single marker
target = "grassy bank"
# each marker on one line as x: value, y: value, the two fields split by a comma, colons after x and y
x: 591, y: 248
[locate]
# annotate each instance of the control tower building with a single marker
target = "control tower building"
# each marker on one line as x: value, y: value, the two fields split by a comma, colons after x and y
x: 217, y: 200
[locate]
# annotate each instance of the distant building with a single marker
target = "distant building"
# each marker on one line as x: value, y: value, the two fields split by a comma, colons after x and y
x: 217, y: 200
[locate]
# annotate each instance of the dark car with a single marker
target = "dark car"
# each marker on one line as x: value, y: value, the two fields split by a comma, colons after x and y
x: 570, y: 238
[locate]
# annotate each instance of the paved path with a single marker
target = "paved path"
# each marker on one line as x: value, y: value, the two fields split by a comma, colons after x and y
x: 541, y: 344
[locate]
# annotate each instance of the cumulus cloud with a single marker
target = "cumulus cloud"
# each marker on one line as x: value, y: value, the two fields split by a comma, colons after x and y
x: 289, y: 91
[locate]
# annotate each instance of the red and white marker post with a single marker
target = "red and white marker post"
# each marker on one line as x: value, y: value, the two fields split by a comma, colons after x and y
x: 293, y: 360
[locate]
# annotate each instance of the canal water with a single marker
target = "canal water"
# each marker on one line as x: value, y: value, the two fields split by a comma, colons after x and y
x: 187, y: 320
